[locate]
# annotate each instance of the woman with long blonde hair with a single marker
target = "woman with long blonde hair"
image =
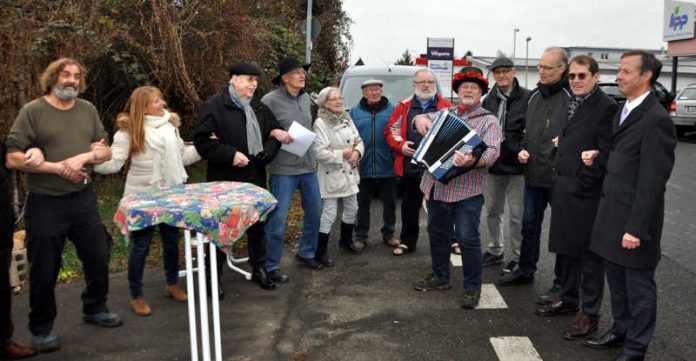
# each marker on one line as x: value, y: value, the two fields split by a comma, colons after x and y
x: 150, y: 143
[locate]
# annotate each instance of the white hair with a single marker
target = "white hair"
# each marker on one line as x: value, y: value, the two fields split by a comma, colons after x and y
x: 324, y: 95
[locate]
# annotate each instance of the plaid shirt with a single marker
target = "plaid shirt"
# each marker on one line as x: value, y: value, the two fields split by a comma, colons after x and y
x: 469, y: 184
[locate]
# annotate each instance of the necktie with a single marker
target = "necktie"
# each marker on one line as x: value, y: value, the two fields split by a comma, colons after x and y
x: 624, y: 114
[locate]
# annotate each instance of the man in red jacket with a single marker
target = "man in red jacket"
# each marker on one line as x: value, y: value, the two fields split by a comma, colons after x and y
x: 404, y: 140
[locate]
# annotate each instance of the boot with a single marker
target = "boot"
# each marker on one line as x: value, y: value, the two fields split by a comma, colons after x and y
x: 322, y: 252
x: 260, y: 276
x: 221, y: 257
x: 346, y: 240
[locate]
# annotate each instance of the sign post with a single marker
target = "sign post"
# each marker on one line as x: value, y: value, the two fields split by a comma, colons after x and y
x: 440, y: 61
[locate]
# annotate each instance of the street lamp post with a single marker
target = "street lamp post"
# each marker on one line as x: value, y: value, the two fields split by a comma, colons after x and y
x: 526, y: 62
x: 514, y: 42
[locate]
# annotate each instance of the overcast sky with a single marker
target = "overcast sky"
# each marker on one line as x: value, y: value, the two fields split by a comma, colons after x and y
x: 383, y: 29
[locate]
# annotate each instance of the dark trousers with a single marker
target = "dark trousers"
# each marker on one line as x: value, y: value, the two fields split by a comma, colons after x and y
x: 387, y: 191
x: 633, y: 305
x: 141, y: 247
x: 256, y: 245
x: 465, y: 215
x: 6, y: 327
x: 582, y: 282
x: 49, y: 220
x: 410, y: 211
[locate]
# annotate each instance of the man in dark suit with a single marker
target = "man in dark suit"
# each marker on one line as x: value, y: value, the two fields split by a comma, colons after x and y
x: 629, y: 221
x: 575, y: 198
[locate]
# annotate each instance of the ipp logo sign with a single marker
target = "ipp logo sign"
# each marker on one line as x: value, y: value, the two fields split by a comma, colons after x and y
x: 678, y: 19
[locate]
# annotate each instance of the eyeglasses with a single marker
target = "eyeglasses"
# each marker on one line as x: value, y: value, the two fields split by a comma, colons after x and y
x: 424, y: 82
x: 334, y: 99
x: 548, y: 68
x: 580, y: 76
x: 500, y: 71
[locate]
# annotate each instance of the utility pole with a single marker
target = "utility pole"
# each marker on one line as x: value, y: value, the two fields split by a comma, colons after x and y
x: 308, y: 34
x: 514, y: 42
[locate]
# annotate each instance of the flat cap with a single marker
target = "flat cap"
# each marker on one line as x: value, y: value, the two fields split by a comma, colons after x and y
x: 242, y: 68
x: 502, y: 62
x: 371, y: 82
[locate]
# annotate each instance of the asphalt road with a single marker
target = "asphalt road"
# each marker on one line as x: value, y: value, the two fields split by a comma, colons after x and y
x: 365, y: 308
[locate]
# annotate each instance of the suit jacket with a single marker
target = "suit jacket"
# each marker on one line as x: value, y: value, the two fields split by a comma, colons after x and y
x: 633, y: 194
x: 576, y: 188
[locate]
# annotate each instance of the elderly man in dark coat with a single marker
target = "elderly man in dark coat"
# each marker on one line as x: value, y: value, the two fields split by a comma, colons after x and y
x: 629, y: 221
x: 583, y: 149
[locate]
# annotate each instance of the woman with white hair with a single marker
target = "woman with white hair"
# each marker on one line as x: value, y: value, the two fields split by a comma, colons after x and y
x: 338, y: 149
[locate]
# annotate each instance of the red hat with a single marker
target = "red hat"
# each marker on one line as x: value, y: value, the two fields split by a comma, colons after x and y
x: 470, y: 74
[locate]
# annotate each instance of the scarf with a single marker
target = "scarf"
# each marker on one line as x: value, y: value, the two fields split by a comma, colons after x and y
x: 502, y: 110
x: 576, y: 102
x: 167, y: 165
x: 333, y: 119
x: 548, y: 90
x: 253, y: 132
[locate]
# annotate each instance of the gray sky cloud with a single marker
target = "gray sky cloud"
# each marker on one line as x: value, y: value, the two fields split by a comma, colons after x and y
x: 383, y: 29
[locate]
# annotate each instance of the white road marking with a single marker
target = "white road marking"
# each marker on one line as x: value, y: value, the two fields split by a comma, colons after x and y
x: 490, y: 298
x: 512, y: 348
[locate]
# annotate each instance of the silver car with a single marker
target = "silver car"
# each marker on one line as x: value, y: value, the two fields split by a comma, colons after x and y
x: 683, y: 110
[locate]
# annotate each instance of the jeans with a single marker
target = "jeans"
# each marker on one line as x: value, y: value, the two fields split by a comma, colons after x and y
x: 465, y: 215
x: 502, y: 189
x: 49, y: 221
x: 387, y: 191
x: 411, y: 205
x: 329, y: 210
x: 535, y: 201
x: 283, y: 188
x: 141, y: 247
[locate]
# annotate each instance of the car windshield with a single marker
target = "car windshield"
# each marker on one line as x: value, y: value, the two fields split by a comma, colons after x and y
x: 688, y: 94
x: 396, y: 88
x: 611, y: 90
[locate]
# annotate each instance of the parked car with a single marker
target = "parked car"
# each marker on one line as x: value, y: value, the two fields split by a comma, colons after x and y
x: 398, y: 82
x: 663, y: 95
x: 683, y: 110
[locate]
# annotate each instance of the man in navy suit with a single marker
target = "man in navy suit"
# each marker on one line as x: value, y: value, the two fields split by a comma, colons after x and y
x: 628, y: 225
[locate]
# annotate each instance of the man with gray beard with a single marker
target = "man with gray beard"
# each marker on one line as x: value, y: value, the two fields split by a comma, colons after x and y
x: 61, y: 202
x: 404, y: 140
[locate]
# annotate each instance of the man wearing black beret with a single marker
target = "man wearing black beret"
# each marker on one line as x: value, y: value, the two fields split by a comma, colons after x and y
x: 238, y: 136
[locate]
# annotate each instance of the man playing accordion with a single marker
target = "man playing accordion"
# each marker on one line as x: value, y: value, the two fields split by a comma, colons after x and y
x: 456, y: 205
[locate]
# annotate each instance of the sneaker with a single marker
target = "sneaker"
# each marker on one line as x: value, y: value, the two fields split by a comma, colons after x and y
x: 509, y: 268
x: 471, y: 299
x: 309, y: 262
x: 430, y: 283
x: 491, y: 259
x: 103, y: 319
x: 46, y: 343
x: 140, y: 306
x: 176, y: 293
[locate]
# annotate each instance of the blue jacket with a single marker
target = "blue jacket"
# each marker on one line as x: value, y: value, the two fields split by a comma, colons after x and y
x: 378, y: 160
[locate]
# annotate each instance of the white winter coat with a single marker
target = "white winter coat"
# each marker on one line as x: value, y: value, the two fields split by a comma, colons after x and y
x: 337, y: 178
x: 142, y: 164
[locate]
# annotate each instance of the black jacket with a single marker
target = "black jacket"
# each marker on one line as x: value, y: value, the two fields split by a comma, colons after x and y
x: 220, y: 115
x: 576, y: 188
x: 633, y: 194
x: 546, y: 116
x: 507, y: 163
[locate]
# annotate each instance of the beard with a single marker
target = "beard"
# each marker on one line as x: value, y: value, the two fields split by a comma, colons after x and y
x: 467, y: 101
x: 63, y: 93
x: 421, y: 95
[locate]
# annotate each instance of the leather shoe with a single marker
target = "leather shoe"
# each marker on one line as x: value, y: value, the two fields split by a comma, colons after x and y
x: 515, y: 277
x: 546, y: 298
x: 607, y: 340
x: 556, y: 308
x: 624, y: 357
x: 582, y: 327
x: 309, y: 262
x: 278, y: 277
x: 14, y: 351
x: 351, y: 247
x: 261, y: 277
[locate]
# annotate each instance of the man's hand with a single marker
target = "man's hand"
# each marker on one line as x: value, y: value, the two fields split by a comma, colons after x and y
x: 588, y: 156
x: 33, y: 157
x: 282, y: 136
x: 407, y: 150
x: 555, y: 141
x: 523, y: 156
x: 630, y: 241
x: 240, y: 160
x: 422, y: 123
x: 74, y: 175
x: 463, y: 159
x: 101, y: 144
x: 77, y: 163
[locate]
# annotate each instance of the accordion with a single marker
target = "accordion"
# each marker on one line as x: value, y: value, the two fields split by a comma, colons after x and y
x: 447, y: 134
